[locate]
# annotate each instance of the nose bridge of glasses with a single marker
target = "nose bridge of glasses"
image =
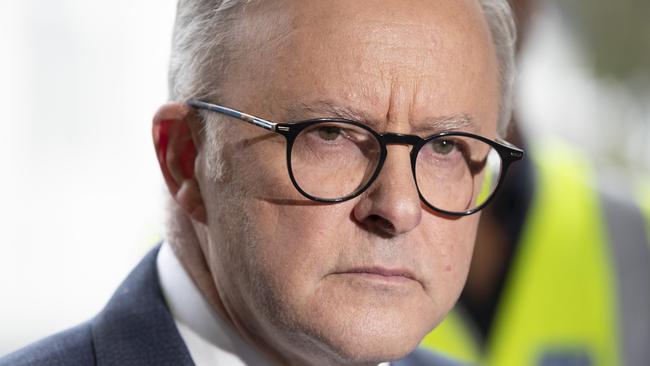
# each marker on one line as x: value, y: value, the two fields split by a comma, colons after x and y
x: 395, y: 163
x: 399, y: 138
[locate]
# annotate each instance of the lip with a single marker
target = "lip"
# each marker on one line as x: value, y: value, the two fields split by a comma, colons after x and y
x: 381, y: 273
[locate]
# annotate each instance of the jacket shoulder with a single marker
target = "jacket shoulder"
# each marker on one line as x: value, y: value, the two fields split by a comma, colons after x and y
x: 422, y: 357
x: 71, y: 347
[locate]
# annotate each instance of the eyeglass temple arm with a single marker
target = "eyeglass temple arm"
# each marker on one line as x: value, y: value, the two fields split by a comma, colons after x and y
x: 515, y: 153
x: 259, y: 122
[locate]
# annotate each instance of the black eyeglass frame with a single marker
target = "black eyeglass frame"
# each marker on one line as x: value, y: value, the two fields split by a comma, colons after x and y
x: 507, y: 152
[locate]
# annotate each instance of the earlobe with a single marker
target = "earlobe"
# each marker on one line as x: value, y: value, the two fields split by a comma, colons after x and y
x: 176, y: 150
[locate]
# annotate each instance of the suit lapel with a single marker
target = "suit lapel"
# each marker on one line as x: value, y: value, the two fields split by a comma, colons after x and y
x: 135, y: 327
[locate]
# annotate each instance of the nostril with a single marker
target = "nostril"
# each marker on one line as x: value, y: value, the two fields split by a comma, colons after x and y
x: 381, y: 224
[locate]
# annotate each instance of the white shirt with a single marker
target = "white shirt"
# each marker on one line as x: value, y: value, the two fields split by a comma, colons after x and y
x: 208, y: 338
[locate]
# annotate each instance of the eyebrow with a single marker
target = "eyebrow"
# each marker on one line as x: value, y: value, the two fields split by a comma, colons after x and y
x: 448, y: 123
x: 326, y: 108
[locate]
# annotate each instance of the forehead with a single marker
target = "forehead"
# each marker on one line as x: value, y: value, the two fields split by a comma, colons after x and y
x: 364, y: 52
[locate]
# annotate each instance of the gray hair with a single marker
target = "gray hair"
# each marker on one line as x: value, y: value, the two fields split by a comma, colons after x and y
x: 203, y: 42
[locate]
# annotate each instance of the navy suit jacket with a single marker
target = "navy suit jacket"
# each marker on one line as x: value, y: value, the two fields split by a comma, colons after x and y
x: 136, y: 328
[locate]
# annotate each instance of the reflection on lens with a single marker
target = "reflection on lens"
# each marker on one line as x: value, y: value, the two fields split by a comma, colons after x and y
x: 457, y: 173
x: 332, y: 160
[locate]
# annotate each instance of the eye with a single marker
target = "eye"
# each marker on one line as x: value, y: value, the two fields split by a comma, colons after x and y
x: 329, y: 133
x: 443, y: 147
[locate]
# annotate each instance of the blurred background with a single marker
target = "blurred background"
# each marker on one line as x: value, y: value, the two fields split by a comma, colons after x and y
x: 82, y: 197
x: 585, y: 76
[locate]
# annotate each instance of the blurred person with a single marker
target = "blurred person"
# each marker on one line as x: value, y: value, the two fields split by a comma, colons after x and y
x: 342, y: 234
x: 561, y: 266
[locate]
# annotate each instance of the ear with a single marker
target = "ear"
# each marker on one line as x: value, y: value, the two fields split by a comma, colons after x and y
x: 176, y: 144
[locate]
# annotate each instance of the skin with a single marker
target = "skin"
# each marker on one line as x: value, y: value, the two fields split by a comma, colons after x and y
x: 299, y: 279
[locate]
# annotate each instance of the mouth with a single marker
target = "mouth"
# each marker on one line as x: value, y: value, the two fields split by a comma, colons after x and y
x: 380, y: 274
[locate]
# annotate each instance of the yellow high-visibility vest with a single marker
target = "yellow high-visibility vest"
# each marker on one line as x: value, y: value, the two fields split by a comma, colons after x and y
x: 562, y: 303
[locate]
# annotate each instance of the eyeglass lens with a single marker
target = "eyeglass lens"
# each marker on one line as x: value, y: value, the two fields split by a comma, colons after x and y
x: 457, y: 173
x: 334, y: 160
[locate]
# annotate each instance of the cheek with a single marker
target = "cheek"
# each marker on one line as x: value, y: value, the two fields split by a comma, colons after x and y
x: 462, y: 234
x: 293, y: 236
x: 290, y: 239
x: 450, y: 248
x: 290, y: 250
x: 300, y: 243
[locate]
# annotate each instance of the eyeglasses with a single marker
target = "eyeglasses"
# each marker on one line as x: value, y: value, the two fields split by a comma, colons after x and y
x: 335, y: 159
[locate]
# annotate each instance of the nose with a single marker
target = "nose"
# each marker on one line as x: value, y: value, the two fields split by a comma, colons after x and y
x: 391, y: 206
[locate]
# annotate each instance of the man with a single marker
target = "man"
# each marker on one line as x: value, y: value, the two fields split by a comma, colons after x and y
x: 340, y: 238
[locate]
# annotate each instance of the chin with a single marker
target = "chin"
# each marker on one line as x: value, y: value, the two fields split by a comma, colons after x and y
x: 364, y: 335
x: 374, y: 350
x: 361, y: 348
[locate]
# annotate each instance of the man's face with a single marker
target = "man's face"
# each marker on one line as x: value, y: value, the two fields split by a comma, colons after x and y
x: 366, y: 279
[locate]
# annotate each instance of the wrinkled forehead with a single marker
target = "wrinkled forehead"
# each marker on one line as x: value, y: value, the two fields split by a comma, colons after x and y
x: 408, y: 21
x: 293, y: 29
x: 364, y: 49
x: 325, y: 16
